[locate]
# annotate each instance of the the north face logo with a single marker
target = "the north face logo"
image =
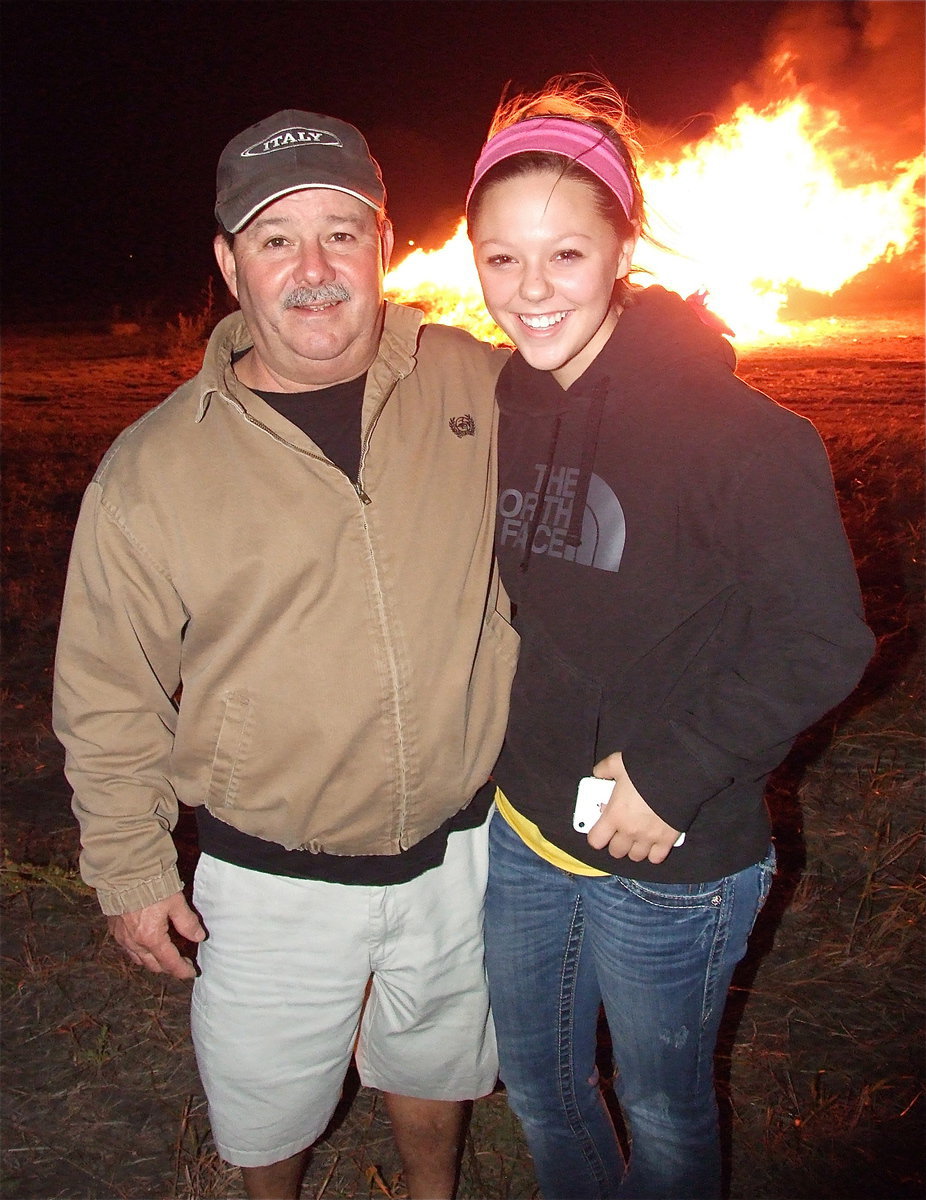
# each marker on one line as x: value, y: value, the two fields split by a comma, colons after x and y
x: 604, y: 528
x: 463, y: 426
x: 296, y: 135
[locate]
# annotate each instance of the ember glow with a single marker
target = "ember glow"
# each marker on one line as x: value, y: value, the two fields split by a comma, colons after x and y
x: 771, y: 201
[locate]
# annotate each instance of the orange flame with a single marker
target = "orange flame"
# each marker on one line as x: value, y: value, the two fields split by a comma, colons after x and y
x: 770, y: 201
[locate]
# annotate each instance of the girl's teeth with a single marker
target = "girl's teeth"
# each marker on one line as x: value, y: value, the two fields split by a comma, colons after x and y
x: 543, y: 322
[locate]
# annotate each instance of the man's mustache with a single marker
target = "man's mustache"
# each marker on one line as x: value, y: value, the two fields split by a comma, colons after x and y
x: 306, y: 297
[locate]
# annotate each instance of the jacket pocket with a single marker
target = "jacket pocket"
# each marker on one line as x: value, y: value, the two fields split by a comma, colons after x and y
x: 230, y: 747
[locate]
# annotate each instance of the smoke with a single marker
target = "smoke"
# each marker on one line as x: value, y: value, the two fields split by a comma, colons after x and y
x: 864, y: 59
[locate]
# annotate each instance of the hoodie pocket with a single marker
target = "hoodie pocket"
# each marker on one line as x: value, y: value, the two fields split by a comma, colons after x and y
x: 230, y: 747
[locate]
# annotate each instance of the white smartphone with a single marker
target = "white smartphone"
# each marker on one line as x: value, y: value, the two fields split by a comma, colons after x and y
x: 592, y: 796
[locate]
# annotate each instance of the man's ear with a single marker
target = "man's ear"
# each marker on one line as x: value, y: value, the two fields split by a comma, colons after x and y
x: 225, y: 257
x: 387, y: 241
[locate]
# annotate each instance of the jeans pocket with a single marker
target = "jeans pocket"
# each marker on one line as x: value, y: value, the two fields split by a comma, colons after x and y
x: 673, y: 895
x: 766, y: 869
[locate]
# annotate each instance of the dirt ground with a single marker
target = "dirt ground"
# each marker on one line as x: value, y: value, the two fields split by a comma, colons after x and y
x: 821, y: 1063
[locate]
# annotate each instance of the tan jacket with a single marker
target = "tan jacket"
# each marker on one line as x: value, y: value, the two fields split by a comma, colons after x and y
x: 344, y: 655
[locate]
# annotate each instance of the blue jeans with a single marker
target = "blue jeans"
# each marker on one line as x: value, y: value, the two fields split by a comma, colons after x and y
x: 660, y: 957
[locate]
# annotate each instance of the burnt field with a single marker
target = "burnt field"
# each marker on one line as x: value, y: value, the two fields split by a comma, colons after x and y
x: 821, y: 1064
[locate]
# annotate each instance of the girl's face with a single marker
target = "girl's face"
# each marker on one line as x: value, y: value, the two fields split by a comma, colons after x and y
x: 547, y: 261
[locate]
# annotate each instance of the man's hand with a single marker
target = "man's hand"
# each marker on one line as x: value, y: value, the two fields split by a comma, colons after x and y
x: 628, y: 826
x: 144, y: 935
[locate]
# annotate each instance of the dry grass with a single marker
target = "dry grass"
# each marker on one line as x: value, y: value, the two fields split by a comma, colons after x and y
x: 822, y: 1052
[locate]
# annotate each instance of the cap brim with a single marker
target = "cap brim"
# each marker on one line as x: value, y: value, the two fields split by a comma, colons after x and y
x: 255, y: 208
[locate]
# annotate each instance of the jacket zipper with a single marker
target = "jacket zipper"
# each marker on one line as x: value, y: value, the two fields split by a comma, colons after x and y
x: 381, y: 608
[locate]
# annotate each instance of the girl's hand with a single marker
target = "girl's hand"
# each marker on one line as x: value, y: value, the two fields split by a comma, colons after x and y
x: 627, y: 825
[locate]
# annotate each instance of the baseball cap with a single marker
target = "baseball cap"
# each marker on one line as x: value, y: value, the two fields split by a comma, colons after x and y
x: 290, y: 151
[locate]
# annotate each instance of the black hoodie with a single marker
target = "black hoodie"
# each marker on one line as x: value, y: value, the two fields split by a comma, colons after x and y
x: 690, y: 598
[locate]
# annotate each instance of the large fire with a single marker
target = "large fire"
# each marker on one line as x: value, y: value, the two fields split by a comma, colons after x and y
x: 773, y: 200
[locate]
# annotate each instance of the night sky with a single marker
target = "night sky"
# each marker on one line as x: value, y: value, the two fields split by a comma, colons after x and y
x: 114, y: 113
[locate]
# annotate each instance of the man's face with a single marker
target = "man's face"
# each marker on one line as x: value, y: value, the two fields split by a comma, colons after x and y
x: 308, y: 274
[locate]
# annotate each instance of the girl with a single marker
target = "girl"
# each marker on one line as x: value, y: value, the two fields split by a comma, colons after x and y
x: 687, y: 604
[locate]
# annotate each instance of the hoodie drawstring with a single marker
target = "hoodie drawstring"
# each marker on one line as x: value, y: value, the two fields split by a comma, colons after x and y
x: 535, y: 519
x: 589, y: 447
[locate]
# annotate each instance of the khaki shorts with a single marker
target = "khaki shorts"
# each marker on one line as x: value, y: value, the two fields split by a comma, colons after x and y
x: 282, y: 1001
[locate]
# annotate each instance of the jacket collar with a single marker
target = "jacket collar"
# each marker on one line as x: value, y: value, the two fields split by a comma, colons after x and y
x: 396, y: 355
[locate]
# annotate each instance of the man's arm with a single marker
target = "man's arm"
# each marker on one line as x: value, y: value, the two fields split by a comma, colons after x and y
x: 116, y: 671
x: 145, y: 935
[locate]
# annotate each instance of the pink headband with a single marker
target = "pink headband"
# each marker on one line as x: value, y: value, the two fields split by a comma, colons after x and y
x: 559, y: 135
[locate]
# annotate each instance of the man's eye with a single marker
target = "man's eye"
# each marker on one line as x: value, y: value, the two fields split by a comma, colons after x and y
x: 341, y: 237
x: 275, y: 242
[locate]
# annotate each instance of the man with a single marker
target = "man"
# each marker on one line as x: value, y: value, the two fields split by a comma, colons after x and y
x: 281, y: 610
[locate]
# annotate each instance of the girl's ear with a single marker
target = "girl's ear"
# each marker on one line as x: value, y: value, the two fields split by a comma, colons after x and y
x: 628, y: 249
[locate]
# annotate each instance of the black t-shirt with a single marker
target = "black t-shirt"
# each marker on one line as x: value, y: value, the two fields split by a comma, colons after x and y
x: 331, y: 417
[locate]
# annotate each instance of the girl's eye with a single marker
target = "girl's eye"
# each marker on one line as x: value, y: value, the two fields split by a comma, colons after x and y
x: 568, y: 255
x: 499, y: 260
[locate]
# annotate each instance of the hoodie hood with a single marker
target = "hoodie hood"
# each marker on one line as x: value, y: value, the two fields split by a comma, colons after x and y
x: 657, y: 330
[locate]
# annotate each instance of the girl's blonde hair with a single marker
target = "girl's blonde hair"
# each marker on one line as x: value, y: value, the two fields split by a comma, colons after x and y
x: 592, y: 100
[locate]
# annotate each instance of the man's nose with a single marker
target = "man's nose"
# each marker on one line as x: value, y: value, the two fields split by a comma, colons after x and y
x: 314, y: 267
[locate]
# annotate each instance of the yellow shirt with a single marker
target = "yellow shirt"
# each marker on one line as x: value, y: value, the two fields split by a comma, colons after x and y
x: 531, y: 836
